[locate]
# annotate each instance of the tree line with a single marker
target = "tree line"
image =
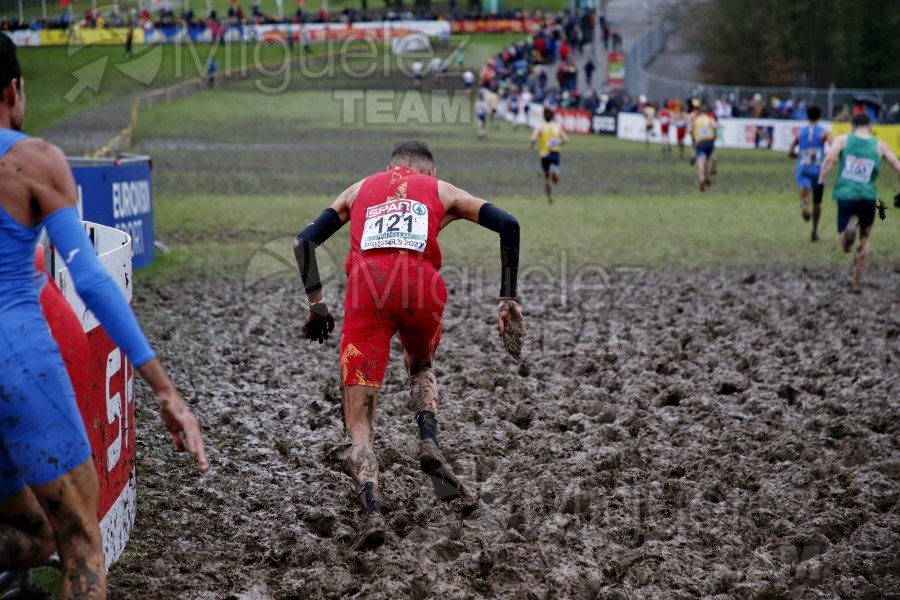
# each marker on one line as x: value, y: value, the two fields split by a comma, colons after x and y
x: 815, y: 43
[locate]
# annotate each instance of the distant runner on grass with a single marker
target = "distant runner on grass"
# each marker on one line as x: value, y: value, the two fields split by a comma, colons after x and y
x: 680, y: 122
x: 393, y: 286
x: 703, y: 132
x: 665, y: 119
x: 808, y: 147
x: 858, y: 155
x: 550, y: 138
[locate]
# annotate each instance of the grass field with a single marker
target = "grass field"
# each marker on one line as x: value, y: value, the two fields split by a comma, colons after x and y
x: 620, y: 203
x: 53, y: 73
x: 627, y: 204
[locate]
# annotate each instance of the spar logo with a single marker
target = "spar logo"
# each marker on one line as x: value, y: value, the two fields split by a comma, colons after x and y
x: 418, y: 208
x: 393, y: 206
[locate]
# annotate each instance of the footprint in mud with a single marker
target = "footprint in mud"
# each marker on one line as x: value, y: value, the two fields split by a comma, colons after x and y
x: 446, y: 550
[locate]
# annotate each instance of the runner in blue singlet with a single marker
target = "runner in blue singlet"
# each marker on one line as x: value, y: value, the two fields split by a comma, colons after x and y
x: 48, y: 483
x: 809, y: 148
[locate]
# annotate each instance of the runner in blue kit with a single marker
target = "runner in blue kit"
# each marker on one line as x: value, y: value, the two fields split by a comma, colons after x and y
x: 512, y: 105
x: 48, y: 483
x: 859, y: 156
x: 809, y: 148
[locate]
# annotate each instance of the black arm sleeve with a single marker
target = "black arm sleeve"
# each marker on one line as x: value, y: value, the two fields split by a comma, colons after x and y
x: 506, y: 225
x: 306, y: 242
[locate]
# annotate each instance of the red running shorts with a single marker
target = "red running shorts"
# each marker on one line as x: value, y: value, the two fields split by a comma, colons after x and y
x: 388, y: 293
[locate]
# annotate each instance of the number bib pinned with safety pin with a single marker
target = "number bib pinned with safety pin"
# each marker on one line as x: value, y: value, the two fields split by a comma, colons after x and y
x: 398, y: 223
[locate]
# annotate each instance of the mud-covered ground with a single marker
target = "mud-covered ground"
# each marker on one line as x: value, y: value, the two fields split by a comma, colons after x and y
x: 694, y: 434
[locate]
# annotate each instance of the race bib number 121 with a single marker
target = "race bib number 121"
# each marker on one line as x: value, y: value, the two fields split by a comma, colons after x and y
x: 396, y: 224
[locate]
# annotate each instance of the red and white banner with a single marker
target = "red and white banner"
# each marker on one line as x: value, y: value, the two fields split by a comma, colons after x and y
x: 104, y: 384
x: 615, y: 72
x: 574, y: 120
x: 495, y: 25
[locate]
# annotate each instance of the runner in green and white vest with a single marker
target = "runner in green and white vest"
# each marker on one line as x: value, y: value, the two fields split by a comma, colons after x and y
x: 858, y: 155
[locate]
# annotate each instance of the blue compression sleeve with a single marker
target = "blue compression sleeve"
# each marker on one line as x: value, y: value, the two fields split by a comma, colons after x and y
x: 95, y: 286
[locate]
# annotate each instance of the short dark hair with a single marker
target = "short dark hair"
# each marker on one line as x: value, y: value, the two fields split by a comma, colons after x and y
x: 860, y: 119
x: 412, y: 151
x: 549, y: 113
x: 813, y: 113
x: 9, y: 62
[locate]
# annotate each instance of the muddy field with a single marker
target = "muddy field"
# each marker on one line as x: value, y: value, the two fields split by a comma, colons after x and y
x: 717, y: 434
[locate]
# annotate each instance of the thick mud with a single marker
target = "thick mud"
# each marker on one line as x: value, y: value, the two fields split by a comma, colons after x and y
x: 697, y: 434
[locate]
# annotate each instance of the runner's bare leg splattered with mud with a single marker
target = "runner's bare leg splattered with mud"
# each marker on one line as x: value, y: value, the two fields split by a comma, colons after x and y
x: 423, y: 397
x: 360, y: 402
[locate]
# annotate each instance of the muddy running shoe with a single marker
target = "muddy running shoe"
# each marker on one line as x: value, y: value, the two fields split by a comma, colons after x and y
x: 372, y: 534
x: 848, y: 236
x: 806, y: 214
x: 447, y: 485
x: 814, y: 237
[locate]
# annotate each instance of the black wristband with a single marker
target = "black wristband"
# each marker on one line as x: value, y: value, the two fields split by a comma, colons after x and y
x: 306, y: 242
x: 505, y: 224
x: 319, y: 308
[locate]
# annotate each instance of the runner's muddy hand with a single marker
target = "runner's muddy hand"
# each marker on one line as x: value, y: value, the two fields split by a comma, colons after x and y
x: 183, y: 426
x: 176, y: 416
x: 319, y: 324
x: 511, y: 326
x: 882, y: 209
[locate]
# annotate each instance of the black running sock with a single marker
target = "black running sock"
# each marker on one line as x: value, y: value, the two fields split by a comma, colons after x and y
x: 818, y: 192
x: 369, y: 500
x: 428, y: 426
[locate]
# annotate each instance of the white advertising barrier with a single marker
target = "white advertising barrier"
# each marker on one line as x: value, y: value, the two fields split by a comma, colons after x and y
x: 774, y: 134
x: 381, y: 29
x: 104, y: 388
x: 274, y: 33
x: 268, y: 33
x: 25, y: 37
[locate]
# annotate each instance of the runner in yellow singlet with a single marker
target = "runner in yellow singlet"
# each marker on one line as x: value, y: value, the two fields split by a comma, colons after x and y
x: 703, y: 132
x: 550, y: 138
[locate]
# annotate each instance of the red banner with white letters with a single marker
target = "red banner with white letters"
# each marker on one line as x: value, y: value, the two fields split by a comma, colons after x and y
x: 103, y: 380
x: 574, y: 120
x: 494, y: 25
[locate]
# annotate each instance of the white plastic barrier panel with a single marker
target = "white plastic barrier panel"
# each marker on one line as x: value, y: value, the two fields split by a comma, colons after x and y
x: 25, y: 37
x: 773, y: 134
x: 104, y: 388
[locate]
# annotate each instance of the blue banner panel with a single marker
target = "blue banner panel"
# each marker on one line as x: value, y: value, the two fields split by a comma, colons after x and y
x: 120, y: 196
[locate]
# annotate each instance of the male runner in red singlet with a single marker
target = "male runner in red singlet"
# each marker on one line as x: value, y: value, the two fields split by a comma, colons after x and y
x: 393, y: 286
x: 665, y: 119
